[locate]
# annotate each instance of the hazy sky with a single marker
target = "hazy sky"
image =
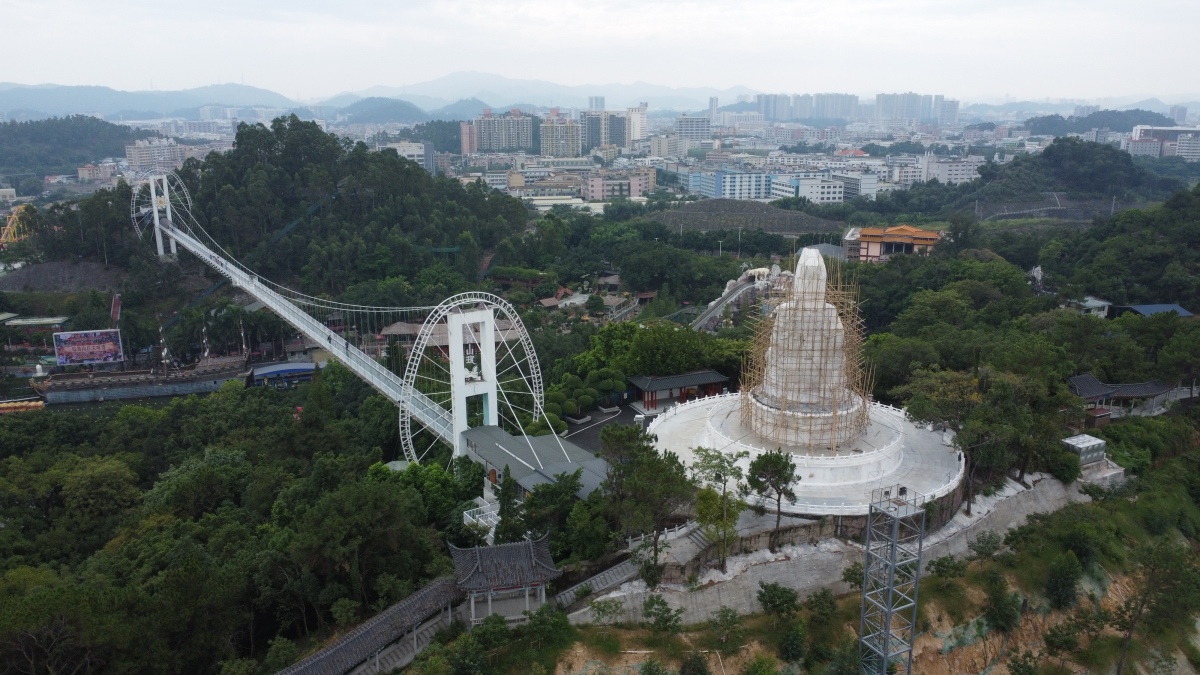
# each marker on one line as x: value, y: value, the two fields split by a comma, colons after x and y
x: 973, y: 49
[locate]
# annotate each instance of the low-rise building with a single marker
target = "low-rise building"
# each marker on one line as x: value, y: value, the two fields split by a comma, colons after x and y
x: 1188, y: 147
x: 876, y: 244
x: 604, y: 185
x: 815, y: 190
x: 92, y: 173
x: 1144, y: 147
x: 155, y: 155
x: 421, y: 152
x: 857, y: 184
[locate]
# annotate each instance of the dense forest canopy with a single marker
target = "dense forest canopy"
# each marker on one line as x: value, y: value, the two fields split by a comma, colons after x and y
x: 60, y: 144
x: 230, y: 533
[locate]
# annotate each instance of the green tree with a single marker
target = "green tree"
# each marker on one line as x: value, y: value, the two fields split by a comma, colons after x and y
x: 986, y: 544
x: 1062, y: 582
x: 605, y: 612
x: 1024, y: 663
x: 772, y: 474
x: 694, y: 663
x: 718, y: 506
x: 822, y: 605
x: 761, y: 664
x: 727, y: 626
x: 778, y: 601
x: 1002, y: 609
x: 512, y: 518
x: 647, y: 487
x: 660, y: 616
x: 794, y: 644
x: 653, y: 666
x: 1061, y: 640
x: 493, y: 633
x: 1166, y: 591
x: 853, y: 575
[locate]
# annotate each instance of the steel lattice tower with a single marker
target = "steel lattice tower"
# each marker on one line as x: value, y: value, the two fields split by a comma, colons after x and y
x: 891, y: 575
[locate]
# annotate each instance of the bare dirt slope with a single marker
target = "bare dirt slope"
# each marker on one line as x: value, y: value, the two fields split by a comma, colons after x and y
x: 63, y: 277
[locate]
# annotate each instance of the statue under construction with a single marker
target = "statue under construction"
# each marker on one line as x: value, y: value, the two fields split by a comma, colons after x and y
x: 805, y: 387
x: 806, y: 390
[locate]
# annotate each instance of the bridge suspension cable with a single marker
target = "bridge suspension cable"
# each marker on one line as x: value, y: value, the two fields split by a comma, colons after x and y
x: 468, y: 359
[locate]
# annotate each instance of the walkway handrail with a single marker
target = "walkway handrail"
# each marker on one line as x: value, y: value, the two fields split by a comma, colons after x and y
x: 436, y: 418
x: 379, y: 631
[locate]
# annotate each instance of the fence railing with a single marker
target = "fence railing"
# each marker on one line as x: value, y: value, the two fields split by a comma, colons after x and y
x: 666, y: 534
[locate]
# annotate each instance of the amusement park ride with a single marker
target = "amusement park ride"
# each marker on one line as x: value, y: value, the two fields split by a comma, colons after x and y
x: 15, y: 228
x: 467, y: 362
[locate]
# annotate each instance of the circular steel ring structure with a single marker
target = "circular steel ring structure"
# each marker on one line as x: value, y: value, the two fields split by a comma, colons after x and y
x: 518, y: 377
x: 141, y: 208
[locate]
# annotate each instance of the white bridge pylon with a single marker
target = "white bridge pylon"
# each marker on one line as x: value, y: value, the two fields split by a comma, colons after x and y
x: 469, y: 321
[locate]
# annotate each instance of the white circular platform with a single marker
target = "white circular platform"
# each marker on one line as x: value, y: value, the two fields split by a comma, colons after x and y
x: 892, y: 451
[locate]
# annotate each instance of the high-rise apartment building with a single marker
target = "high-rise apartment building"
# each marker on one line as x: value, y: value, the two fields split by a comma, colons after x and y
x: 947, y: 112
x: 595, y: 103
x: 802, y: 106
x: 636, y: 126
x: 601, y: 127
x: 693, y: 128
x: 504, y: 132
x: 561, y: 136
x: 712, y: 107
x: 774, y: 106
x: 469, y: 138
x: 1085, y: 110
x: 835, y: 106
x: 1179, y: 114
x: 906, y: 106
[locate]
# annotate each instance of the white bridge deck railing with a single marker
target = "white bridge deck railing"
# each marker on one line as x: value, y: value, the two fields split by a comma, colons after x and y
x: 436, y: 418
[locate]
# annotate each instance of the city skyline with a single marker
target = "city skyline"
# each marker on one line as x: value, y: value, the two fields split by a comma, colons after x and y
x: 307, y: 52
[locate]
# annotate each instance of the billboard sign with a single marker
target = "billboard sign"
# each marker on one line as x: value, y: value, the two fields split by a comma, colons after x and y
x: 82, y: 347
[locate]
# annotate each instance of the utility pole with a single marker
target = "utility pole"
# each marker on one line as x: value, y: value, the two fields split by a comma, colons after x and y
x: 739, y: 242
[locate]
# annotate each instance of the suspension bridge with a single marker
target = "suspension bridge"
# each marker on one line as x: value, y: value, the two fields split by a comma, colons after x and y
x: 468, y: 361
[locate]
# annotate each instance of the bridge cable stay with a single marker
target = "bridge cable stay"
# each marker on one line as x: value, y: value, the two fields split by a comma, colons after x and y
x: 357, y: 335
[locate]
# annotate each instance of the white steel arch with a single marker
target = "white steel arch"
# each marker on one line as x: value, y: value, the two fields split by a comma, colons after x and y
x: 470, y: 321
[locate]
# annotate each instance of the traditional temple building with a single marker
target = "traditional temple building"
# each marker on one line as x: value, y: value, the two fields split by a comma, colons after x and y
x: 504, y: 576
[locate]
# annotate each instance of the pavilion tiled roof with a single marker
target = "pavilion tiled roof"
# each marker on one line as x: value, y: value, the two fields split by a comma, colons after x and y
x: 692, y: 379
x: 522, y: 563
x: 1089, y: 388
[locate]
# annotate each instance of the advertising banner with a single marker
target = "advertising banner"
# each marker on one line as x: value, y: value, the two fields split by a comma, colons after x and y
x: 88, y: 346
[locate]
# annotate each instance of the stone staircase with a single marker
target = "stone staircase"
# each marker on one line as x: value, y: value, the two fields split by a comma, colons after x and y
x: 402, y: 652
x: 698, y: 539
x: 609, y: 578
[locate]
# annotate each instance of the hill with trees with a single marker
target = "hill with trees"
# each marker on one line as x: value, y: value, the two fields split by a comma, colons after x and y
x: 60, y: 144
x: 1115, y: 120
x: 232, y: 533
x: 378, y: 110
x: 1078, y: 169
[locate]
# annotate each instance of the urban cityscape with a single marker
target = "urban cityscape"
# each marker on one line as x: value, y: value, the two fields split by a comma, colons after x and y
x: 463, y: 339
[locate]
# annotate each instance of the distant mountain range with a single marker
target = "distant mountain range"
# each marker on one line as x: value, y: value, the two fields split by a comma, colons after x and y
x: 460, y: 95
x: 21, y: 101
x: 489, y: 87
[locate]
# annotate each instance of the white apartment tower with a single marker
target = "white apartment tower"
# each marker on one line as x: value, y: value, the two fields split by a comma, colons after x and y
x: 595, y: 103
x: 637, y: 122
